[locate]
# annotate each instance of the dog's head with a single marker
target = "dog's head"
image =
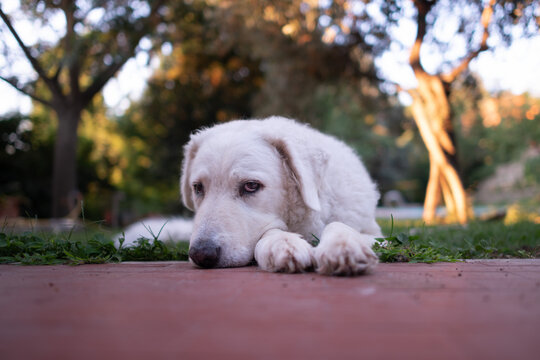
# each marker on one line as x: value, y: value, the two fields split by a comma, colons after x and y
x: 241, y: 183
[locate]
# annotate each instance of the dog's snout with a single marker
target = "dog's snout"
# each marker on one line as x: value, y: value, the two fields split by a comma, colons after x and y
x: 205, y: 253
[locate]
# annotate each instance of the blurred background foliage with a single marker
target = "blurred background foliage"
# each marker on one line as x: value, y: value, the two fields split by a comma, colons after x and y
x: 228, y: 60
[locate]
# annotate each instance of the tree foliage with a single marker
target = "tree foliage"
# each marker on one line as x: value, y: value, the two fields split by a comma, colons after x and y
x: 248, y: 59
x: 220, y: 60
x: 97, y: 38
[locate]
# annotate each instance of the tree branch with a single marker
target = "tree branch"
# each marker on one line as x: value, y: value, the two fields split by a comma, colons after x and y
x: 53, y: 86
x: 487, y: 14
x: 21, y: 90
x: 57, y: 72
x: 101, y: 79
x: 73, y: 59
x: 422, y: 7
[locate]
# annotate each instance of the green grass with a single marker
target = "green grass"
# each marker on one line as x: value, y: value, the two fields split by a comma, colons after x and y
x: 406, y: 242
x: 413, y: 242
x: 88, y: 247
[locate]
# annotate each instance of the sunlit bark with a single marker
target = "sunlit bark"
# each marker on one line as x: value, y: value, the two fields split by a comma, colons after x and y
x: 432, y: 114
x: 443, y: 174
x: 433, y: 193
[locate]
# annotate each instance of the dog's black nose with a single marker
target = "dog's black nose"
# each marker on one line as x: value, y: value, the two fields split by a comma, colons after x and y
x: 205, y: 253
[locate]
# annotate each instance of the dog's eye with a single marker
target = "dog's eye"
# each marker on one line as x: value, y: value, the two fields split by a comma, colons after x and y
x: 250, y: 187
x: 198, y: 189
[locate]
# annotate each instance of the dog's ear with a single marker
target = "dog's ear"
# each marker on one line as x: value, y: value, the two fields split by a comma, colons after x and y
x: 190, y: 150
x: 301, y: 170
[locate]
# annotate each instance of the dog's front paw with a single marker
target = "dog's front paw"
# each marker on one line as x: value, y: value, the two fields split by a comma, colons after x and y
x: 281, y: 251
x: 344, y: 251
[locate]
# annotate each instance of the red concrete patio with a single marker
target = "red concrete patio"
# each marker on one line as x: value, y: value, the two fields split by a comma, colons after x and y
x: 474, y: 310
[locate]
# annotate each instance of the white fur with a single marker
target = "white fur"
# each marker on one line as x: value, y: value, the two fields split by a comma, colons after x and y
x: 279, y: 250
x: 344, y: 251
x: 313, y: 184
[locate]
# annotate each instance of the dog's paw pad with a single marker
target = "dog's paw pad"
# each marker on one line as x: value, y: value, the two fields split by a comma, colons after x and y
x: 281, y: 251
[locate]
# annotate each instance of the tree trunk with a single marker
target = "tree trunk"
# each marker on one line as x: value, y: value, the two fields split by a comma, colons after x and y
x: 433, y: 193
x: 64, y: 180
x: 431, y: 112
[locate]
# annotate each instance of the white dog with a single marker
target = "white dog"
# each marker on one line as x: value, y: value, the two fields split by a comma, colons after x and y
x: 263, y: 188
